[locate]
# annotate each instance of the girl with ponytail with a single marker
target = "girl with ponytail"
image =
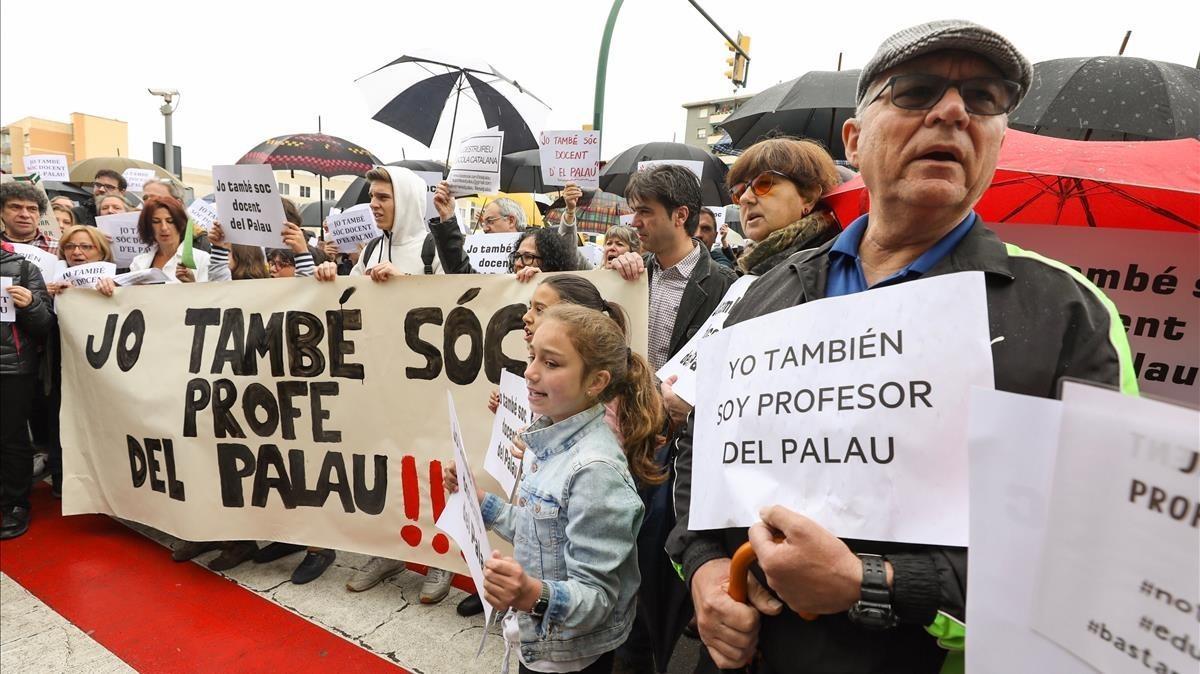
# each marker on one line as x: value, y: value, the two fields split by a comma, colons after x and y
x: 573, y: 578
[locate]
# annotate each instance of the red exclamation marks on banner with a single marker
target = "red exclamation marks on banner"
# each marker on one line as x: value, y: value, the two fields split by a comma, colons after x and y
x: 411, y: 533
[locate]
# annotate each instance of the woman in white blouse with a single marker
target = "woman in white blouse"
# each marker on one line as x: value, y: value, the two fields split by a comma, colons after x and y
x: 161, y: 227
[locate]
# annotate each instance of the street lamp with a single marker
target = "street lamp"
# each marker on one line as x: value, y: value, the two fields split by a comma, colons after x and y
x: 167, y: 110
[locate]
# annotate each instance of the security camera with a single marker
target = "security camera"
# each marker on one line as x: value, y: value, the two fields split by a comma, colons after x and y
x: 165, y: 93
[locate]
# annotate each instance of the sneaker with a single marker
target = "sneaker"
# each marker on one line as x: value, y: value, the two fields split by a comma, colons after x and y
x: 470, y: 606
x: 273, y: 551
x: 436, y: 585
x: 41, y: 465
x: 234, y: 554
x: 15, y: 522
x: 191, y: 549
x: 313, y: 565
x: 378, y: 570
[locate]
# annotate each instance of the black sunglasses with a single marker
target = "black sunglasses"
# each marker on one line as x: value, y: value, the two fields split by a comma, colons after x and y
x: 986, y: 96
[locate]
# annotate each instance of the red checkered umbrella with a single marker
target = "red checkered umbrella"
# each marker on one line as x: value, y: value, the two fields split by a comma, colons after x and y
x: 316, y: 153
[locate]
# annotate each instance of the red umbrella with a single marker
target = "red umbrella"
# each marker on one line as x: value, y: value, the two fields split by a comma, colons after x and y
x: 1051, y: 181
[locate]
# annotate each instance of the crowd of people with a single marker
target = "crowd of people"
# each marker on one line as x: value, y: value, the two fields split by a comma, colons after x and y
x: 611, y: 450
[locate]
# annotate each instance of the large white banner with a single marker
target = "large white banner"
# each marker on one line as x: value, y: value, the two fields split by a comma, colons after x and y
x: 851, y: 411
x: 287, y: 409
x: 1153, y: 278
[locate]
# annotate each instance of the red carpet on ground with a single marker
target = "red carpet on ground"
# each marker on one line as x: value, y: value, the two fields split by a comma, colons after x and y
x: 124, y: 591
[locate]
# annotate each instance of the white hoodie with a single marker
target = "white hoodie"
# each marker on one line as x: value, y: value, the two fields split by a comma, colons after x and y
x: 402, y: 245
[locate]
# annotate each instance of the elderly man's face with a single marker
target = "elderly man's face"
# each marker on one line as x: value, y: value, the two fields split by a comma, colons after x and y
x: 941, y: 158
x: 494, y: 223
x: 155, y: 189
x: 21, y: 218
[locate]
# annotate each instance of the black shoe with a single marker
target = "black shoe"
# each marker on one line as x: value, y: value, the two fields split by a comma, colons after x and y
x: 234, y: 554
x: 313, y: 565
x: 470, y: 606
x: 14, y: 523
x: 273, y: 551
x: 191, y: 549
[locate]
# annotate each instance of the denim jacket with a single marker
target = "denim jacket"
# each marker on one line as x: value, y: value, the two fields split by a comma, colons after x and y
x: 574, y: 526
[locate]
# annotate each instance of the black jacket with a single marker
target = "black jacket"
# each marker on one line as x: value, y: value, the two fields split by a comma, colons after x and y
x: 19, y: 340
x: 1054, y: 324
x: 450, y: 242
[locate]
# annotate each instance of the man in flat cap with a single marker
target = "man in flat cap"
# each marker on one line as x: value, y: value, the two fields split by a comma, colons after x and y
x: 933, y: 106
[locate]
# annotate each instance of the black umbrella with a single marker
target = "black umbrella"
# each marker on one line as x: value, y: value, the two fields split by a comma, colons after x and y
x: 359, y: 191
x: 313, y: 213
x: 428, y: 84
x: 1111, y: 98
x: 615, y: 175
x: 317, y: 153
x: 69, y: 190
x: 522, y: 172
x: 814, y: 105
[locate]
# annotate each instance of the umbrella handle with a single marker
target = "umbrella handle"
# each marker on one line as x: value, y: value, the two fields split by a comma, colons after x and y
x: 739, y: 575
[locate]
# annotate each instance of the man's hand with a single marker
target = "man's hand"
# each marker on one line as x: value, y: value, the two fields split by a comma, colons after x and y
x: 383, y: 271
x: 506, y: 585
x: 810, y: 569
x: 326, y: 271
x: 293, y: 238
x: 728, y: 628
x: 216, y: 235
x: 677, y: 408
x: 21, y: 297
x: 443, y: 203
x: 629, y: 265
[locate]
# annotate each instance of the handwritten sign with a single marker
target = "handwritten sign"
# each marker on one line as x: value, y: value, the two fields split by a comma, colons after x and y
x: 122, y: 229
x: 683, y: 363
x: 48, y: 166
x: 204, y: 213
x: 136, y: 178
x: 45, y: 262
x: 248, y: 204
x: 570, y: 156
x: 512, y: 416
x: 85, y: 275
x: 352, y: 228
x: 851, y: 410
x: 1118, y: 573
x: 694, y: 165
x: 489, y: 253
x: 476, y: 166
x: 8, y: 312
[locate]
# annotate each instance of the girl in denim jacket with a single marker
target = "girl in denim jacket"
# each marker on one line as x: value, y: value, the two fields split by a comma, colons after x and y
x: 573, y: 577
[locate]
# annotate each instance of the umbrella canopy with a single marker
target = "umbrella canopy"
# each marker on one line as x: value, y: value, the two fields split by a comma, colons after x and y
x: 84, y: 172
x: 316, y: 153
x: 421, y: 87
x: 313, y: 213
x: 1111, y: 98
x: 814, y: 105
x: 57, y: 189
x: 615, y: 175
x: 359, y: 191
x: 1050, y: 181
x: 522, y: 172
x: 595, y: 212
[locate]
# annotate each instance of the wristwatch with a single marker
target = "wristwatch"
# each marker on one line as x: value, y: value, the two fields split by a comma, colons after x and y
x: 543, y: 602
x: 873, y: 610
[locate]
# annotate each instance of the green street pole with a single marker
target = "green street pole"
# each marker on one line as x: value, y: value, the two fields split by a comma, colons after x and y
x: 602, y: 67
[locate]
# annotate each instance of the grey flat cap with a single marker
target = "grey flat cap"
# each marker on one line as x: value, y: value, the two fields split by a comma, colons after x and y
x: 952, y: 34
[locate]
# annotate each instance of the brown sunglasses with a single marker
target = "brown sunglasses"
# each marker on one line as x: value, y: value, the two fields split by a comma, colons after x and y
x: 761, y: 184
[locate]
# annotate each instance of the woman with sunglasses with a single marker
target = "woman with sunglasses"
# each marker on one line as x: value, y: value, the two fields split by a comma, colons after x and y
x: 778, y: 183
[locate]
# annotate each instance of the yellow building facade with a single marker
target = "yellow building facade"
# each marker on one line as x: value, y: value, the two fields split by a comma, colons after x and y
x: 84, y: 137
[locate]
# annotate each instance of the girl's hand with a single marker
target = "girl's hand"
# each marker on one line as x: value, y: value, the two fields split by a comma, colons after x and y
x: 505, y: 584
x: 216, y: 235
x: 517, y: 448
x: 494, y: 401
x: 450, y: 482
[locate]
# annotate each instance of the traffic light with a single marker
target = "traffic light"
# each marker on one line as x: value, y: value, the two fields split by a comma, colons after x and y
x: 738, y: 64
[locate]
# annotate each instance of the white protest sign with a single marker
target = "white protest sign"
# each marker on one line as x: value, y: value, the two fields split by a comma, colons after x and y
x: 86, y: 275
x: 248, y: 203
x: 352, y: 229
x: 476, y: 166
x: 1120, y: 570
x: 512, y: 416
x: 45, y: 262
x: 8, y: 312
x: 122, y: 229
x: 626, y: 220
x: 593, y: 253
x: 1011, y: 442
x: 570, y: 156
x: 489, y: 253
x: 694, y: 165
x: 851, y: 411
x: 1153, y: 278
x: 431, y: 178
x: 142, y: 277
x: 48, y: 166
x: 718, y: 215
x: 683, y: 363
x: 203, y: 212
x: 462, y: 519
x: 136, y: 178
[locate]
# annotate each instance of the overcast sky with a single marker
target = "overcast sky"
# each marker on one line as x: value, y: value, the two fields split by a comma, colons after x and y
x: 251, y: 70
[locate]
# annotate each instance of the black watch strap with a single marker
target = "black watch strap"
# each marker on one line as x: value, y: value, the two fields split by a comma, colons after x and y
x: 873, y: 610
x: 543, y: 602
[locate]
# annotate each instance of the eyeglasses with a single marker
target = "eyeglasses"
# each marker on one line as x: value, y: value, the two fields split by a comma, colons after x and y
x: 103, y: 186
x: 84, y: 247
x: 526, y: 259
x: 761, y: 185
x: 492, y: 220
x: 278, y: 263
x: 986, y: 96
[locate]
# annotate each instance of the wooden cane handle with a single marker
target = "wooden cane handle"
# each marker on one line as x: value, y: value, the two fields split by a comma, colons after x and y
x: 739, y: 575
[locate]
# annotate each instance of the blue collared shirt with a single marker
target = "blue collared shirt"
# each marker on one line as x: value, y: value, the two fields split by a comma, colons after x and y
x: 845, y: 266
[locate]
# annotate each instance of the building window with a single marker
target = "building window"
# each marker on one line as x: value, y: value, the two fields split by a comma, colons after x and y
x: 702, y: 133
x: 329, y: 195
x: 703, y: 112
x: 284, y: 188
x: 305, y: 192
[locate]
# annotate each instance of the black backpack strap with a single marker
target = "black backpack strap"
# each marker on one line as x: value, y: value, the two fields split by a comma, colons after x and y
x: 427, y: 252
x: 371, y: 246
